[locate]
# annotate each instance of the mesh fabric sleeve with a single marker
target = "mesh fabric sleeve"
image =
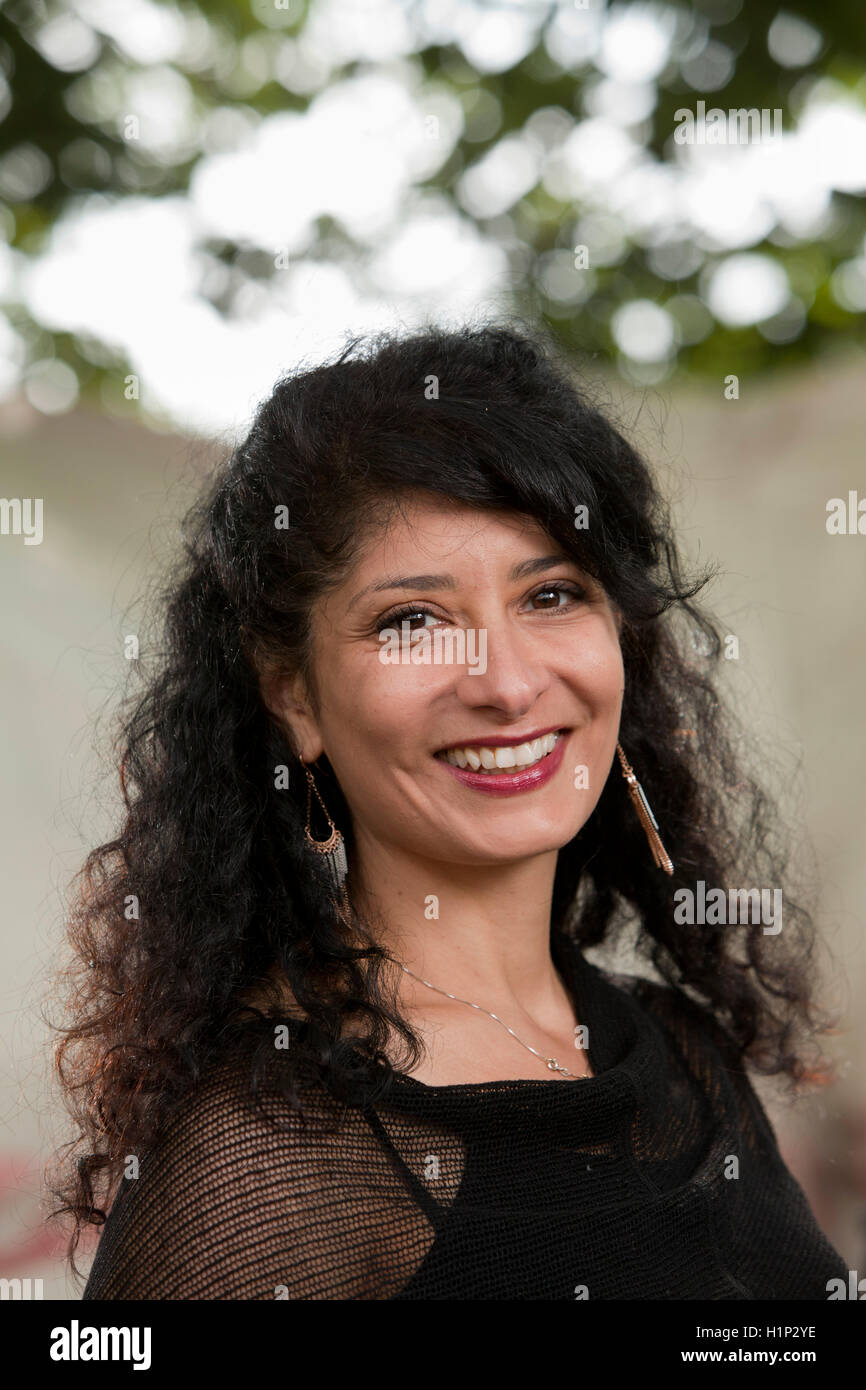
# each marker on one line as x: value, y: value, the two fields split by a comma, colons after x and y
x: 227, y: 1206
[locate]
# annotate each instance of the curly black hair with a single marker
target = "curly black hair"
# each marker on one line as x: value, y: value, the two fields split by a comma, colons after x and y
x: 183, y: 918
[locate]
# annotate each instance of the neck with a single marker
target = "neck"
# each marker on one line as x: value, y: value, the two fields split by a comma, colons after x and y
x: 481, y: 932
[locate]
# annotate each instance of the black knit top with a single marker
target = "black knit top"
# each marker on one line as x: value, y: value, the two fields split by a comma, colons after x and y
x: 657, y: 1178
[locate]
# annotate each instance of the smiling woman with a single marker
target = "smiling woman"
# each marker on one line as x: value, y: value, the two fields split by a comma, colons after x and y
x: 351, y: 1047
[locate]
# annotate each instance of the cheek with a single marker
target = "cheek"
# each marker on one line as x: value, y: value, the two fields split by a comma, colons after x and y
x: 599, y: 673
x: 373, y: 713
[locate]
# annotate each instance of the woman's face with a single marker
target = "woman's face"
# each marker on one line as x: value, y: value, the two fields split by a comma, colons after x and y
x: 448, y: 582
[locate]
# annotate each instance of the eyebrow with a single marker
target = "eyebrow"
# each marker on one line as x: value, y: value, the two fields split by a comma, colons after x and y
x: 523, y: 570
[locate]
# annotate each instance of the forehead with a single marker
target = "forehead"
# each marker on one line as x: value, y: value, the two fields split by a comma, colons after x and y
x: 428, y: 527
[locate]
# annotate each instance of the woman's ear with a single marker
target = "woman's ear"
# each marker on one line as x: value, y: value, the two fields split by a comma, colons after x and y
x: 287, y: 698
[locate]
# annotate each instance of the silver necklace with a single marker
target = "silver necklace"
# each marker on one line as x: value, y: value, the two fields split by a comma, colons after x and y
x: 552, y: 1064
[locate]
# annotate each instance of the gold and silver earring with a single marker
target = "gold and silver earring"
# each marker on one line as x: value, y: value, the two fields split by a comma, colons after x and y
x: 333, y: 849
x: 645, y: 815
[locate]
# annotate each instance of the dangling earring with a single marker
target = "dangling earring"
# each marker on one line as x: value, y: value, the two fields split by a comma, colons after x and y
x: 645, y: 815
x: 334, y: 848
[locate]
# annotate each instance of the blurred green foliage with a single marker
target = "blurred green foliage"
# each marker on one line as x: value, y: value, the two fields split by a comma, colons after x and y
x: 82, y: 151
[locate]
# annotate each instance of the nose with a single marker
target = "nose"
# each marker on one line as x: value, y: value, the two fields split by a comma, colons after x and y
x: 513, y: 679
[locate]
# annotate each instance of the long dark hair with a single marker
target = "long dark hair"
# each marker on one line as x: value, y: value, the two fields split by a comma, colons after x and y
x: 208, y: 884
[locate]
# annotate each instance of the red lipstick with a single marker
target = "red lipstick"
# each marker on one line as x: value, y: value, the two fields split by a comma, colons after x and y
x: 509, y: 783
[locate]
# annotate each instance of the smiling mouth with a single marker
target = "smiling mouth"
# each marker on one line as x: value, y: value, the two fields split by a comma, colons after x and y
x: 501, y: 759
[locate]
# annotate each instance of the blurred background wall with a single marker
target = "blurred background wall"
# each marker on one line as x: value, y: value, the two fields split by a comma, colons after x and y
x: 195, y: 198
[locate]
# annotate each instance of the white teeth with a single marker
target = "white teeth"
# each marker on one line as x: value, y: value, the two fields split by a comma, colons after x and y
x: 502, y: 759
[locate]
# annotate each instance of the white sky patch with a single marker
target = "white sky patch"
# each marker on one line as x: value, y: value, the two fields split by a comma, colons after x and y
x: 832, y: 140
x: 646, y: 199
x: 734, y: 195
x: 128, y: 273
x: 439, y: 259
x: 116, y: 270
x: 592, y: 159
x: 501, y: 177
x: 644, y: 331
x: 636, y: 42
x: 67, y: 43
x: 210, y: 373
x: 573, y: 36
x: 495, y: 39
x: 724, y: 206
x: 745, y: 289
x: 144, y: 31
x: 360, y: 31
x: 353, y: 154
x: 624, y: 103
x: 792, y: 182
x: 162, y: 100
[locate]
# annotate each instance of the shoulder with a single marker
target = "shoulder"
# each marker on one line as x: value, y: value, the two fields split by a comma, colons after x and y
x: 242, y: 1197
x: 256, y: 1131
x: 706, y: 1049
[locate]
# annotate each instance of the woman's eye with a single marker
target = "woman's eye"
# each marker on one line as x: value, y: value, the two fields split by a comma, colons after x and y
x: 552, y: 597
x: 548, y: 597
x: 404, y: 615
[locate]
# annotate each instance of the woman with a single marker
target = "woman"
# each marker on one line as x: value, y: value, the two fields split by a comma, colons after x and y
x: 336, y: 1034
